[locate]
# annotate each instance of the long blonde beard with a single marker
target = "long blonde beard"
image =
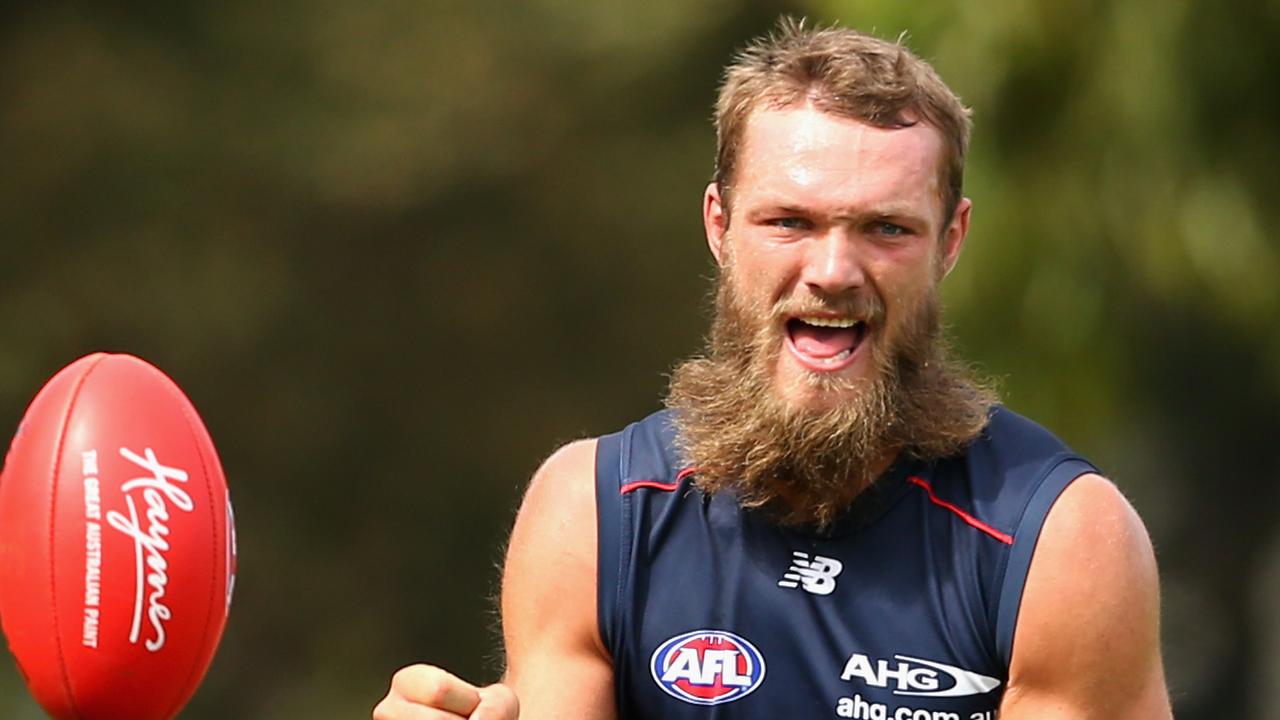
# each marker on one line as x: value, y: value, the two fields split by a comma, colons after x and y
x: 805, y: 467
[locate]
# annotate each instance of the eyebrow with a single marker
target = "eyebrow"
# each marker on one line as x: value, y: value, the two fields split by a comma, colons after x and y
x: 891, y: 210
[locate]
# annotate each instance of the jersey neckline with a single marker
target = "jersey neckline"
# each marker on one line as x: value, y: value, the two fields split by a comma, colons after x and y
x: 868, y: 506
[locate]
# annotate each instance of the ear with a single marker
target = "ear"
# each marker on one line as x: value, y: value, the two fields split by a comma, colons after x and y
x: 953, y: 237
x: 715, y: 220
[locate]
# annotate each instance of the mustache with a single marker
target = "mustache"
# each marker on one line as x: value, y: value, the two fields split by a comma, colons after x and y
x: 863, y: 306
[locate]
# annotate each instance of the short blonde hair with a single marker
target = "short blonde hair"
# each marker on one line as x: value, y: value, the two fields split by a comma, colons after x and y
x: 847, y: 73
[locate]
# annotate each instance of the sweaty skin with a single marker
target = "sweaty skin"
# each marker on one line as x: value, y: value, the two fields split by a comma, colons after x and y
x: 824, y: 204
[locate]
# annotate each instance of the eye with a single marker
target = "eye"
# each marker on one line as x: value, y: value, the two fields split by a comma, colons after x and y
x: 888, y: 229
x: 790, y: 222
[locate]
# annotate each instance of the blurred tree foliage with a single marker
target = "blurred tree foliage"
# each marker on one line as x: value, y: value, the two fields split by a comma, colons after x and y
x: 396, y: 251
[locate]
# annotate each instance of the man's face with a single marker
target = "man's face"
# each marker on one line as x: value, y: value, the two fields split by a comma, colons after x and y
x: 836, y: 242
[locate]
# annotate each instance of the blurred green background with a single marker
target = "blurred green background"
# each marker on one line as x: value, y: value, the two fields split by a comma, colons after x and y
x: 396, y: 251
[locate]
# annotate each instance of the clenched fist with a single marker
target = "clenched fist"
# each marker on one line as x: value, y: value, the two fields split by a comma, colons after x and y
x: 426, y: 692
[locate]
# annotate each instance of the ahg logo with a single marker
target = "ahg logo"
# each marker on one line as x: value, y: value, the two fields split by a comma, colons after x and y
x: 917, y: 676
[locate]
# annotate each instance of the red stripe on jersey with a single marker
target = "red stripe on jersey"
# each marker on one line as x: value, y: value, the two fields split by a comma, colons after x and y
x: 1003, y: 537
x: 657, y: 484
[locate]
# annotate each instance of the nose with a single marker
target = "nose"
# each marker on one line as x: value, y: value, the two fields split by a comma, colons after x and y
x: 834, y: 264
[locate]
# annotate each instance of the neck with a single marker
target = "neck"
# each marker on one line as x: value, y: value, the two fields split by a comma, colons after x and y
x: 794, y: 500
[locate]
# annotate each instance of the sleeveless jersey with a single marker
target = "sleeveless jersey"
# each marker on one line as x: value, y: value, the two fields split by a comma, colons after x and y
x: 903, y: 610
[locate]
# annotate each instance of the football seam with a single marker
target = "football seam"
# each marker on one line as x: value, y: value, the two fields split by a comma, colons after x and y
x: 53, y: 516
x: 190, y: 685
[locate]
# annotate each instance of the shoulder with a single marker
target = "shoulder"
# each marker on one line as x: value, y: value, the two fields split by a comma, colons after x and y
x: 1012, y: 477
x: 1093, y: 548
x: 645, y: 449
x: 559, y: 504
x: 565, y: 469
x: 1011, y: 440
x: 1013, y: 472
x: 1087, y: 635
x: 561, y: 498
x: 1093, y: 545
x: 548, y: 580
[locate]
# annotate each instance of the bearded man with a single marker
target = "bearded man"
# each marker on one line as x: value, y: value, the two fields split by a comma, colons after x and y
x: 832, y: 518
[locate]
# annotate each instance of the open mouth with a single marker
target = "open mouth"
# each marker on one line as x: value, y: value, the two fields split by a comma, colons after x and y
x: 825, y: 343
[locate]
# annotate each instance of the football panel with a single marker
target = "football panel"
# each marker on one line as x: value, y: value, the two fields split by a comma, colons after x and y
x: 158, y: 528
x: 29, y: 493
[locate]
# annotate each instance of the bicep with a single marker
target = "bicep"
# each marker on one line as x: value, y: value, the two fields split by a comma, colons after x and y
x: 556, y: 661
x: 1087, y: 643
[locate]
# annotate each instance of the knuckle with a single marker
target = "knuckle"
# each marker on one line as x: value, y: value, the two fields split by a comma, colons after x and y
x: 412, y: 676
x: 499, y: 703
x: 406, y: 675
x: 435, y: 695
x: 384, y: 710
x: 427, y: 684
x: 506, y: 695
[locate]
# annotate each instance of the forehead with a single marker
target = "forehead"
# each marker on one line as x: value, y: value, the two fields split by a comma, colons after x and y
x: 805, y: 157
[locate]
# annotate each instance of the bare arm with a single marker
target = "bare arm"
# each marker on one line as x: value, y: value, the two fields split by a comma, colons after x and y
x: 556, y: 661
x: 1087, y: 643
x: 557, y: 666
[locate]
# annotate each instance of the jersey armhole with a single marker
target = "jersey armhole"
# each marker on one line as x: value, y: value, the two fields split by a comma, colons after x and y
x: 611, y: 550
x: 1063, y: 470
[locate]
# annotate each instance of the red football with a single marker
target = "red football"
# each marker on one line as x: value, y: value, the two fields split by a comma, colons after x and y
x: 117, y: 543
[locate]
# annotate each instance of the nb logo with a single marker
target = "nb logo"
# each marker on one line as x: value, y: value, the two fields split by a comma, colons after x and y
x: 815, y: 574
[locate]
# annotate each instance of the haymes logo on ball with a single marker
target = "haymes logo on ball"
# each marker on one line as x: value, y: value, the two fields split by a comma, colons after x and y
x: 157, y: 492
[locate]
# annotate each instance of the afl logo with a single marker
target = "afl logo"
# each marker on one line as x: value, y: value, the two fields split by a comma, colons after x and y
x: 707, y: 667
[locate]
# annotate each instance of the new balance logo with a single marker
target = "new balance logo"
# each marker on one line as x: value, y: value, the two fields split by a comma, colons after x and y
x: 815, y: 574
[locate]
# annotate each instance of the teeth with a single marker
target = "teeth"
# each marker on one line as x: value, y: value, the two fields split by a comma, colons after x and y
x: 828, y: 322
x: 837, y: 358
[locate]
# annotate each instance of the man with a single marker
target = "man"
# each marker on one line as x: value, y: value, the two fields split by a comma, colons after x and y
x: 832, y: 519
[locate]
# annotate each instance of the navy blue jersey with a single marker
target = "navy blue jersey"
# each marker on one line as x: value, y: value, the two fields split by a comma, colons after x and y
x: 904, y: 609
